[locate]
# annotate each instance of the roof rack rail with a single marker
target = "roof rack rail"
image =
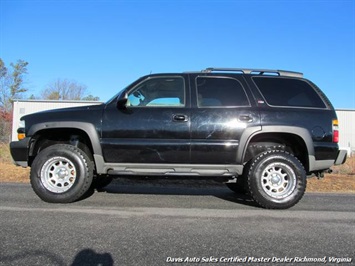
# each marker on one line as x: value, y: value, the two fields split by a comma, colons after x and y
x: 256, y: 71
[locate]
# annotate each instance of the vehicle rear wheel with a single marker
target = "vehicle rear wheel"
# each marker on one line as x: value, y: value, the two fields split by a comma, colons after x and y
x: 61, y: 173
x: 276, y: 179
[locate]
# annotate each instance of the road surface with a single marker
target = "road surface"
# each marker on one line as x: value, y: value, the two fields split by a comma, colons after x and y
x: 175, y: 224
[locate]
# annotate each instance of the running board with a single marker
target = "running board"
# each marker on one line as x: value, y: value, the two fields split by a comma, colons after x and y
x: 174, y: 170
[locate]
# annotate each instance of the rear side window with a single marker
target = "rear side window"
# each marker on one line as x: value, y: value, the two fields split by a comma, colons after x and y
x: 288, y: 92
x: 220, y: 92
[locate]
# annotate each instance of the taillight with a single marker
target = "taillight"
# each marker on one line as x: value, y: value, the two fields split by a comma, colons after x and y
x: 335, y: 131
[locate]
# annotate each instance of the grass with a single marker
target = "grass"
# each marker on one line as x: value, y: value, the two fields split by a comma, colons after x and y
x: 342, y: 180
x: 345, y: 169
x: 5, y: 156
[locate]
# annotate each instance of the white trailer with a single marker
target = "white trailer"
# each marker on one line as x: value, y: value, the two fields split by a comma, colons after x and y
x: 25, y: 107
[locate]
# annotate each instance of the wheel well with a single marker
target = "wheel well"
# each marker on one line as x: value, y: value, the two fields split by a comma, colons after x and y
x: 48, y: 137
x: 284, y: 141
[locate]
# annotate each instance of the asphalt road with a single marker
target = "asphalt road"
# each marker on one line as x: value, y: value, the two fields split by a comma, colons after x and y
x: 137, y: 224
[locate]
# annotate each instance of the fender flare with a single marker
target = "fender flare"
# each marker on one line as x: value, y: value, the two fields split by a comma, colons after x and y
x: 88, y: 128
x: 303, y: 133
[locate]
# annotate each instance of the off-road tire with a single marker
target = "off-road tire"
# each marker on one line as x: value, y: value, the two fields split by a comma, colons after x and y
x: 276, y: 179
x: 61, y: 173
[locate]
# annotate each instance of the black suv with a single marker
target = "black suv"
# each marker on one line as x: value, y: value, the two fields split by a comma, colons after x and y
x: 260, y: 131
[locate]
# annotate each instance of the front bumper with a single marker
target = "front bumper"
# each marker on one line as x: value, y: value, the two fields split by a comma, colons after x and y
x: 19, y: 151
x: 341, y: 157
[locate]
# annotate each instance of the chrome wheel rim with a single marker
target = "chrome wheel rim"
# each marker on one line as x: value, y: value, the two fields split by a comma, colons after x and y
x: 58, y: 174
x: 278, y: 180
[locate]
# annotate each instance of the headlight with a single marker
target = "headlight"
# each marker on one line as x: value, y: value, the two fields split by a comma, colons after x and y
x: 21, y: 124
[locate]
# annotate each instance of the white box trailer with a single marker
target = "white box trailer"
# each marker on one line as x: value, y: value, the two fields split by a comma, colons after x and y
x: 25, y: 107
x: 346, y: 118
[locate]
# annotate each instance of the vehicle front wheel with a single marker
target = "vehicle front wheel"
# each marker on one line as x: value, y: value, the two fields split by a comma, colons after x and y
x: 276, y: 179
x: 61, y: 173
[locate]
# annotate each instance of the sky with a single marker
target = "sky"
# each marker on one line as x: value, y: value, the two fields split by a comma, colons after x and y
x: 108, y: 44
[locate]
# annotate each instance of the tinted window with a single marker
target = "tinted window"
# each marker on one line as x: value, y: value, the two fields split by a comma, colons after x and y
x: 216, y: 92
x: 288, y: 92
x: 158, y: 92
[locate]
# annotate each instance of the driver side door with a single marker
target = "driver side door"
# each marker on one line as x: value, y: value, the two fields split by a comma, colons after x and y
x: 153, y: 126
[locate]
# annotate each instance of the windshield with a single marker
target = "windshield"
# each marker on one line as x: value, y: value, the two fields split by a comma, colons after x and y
x: 118, y: 94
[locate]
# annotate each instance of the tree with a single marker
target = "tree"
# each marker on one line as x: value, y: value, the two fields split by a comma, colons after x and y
x: 3, y: 69
x: 91, y: 98
x: 19, y: 69
x: 4, y: 87
x: 11, y: 87
x: 64, y: 89
x: 11, y: 83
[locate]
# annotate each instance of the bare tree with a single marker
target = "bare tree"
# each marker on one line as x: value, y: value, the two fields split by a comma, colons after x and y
x: 64, y: 89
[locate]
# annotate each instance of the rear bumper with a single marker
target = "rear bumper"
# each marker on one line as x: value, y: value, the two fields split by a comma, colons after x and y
x: 341, y: 157
x: 19, y: 151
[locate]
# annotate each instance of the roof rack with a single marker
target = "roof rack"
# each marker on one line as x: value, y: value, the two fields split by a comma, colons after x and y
x: 255, y: 71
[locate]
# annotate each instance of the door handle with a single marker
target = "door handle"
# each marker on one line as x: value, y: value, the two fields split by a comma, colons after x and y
x: 180, y: 118
x: 245, y: 118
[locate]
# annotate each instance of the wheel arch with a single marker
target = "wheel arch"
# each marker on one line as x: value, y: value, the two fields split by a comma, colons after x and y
x: 47, y: 134
x: 293, y: 139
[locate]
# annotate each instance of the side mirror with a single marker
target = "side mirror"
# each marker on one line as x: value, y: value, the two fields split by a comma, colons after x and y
x: 122, y: 102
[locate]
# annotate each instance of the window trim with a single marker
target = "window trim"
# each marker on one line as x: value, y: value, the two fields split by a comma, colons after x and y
x: 288, y: 106
x: 160, y: 77
x: 223, y: 106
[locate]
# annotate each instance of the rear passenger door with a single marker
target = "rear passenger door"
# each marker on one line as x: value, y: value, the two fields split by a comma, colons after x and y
x: 222, y: 112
